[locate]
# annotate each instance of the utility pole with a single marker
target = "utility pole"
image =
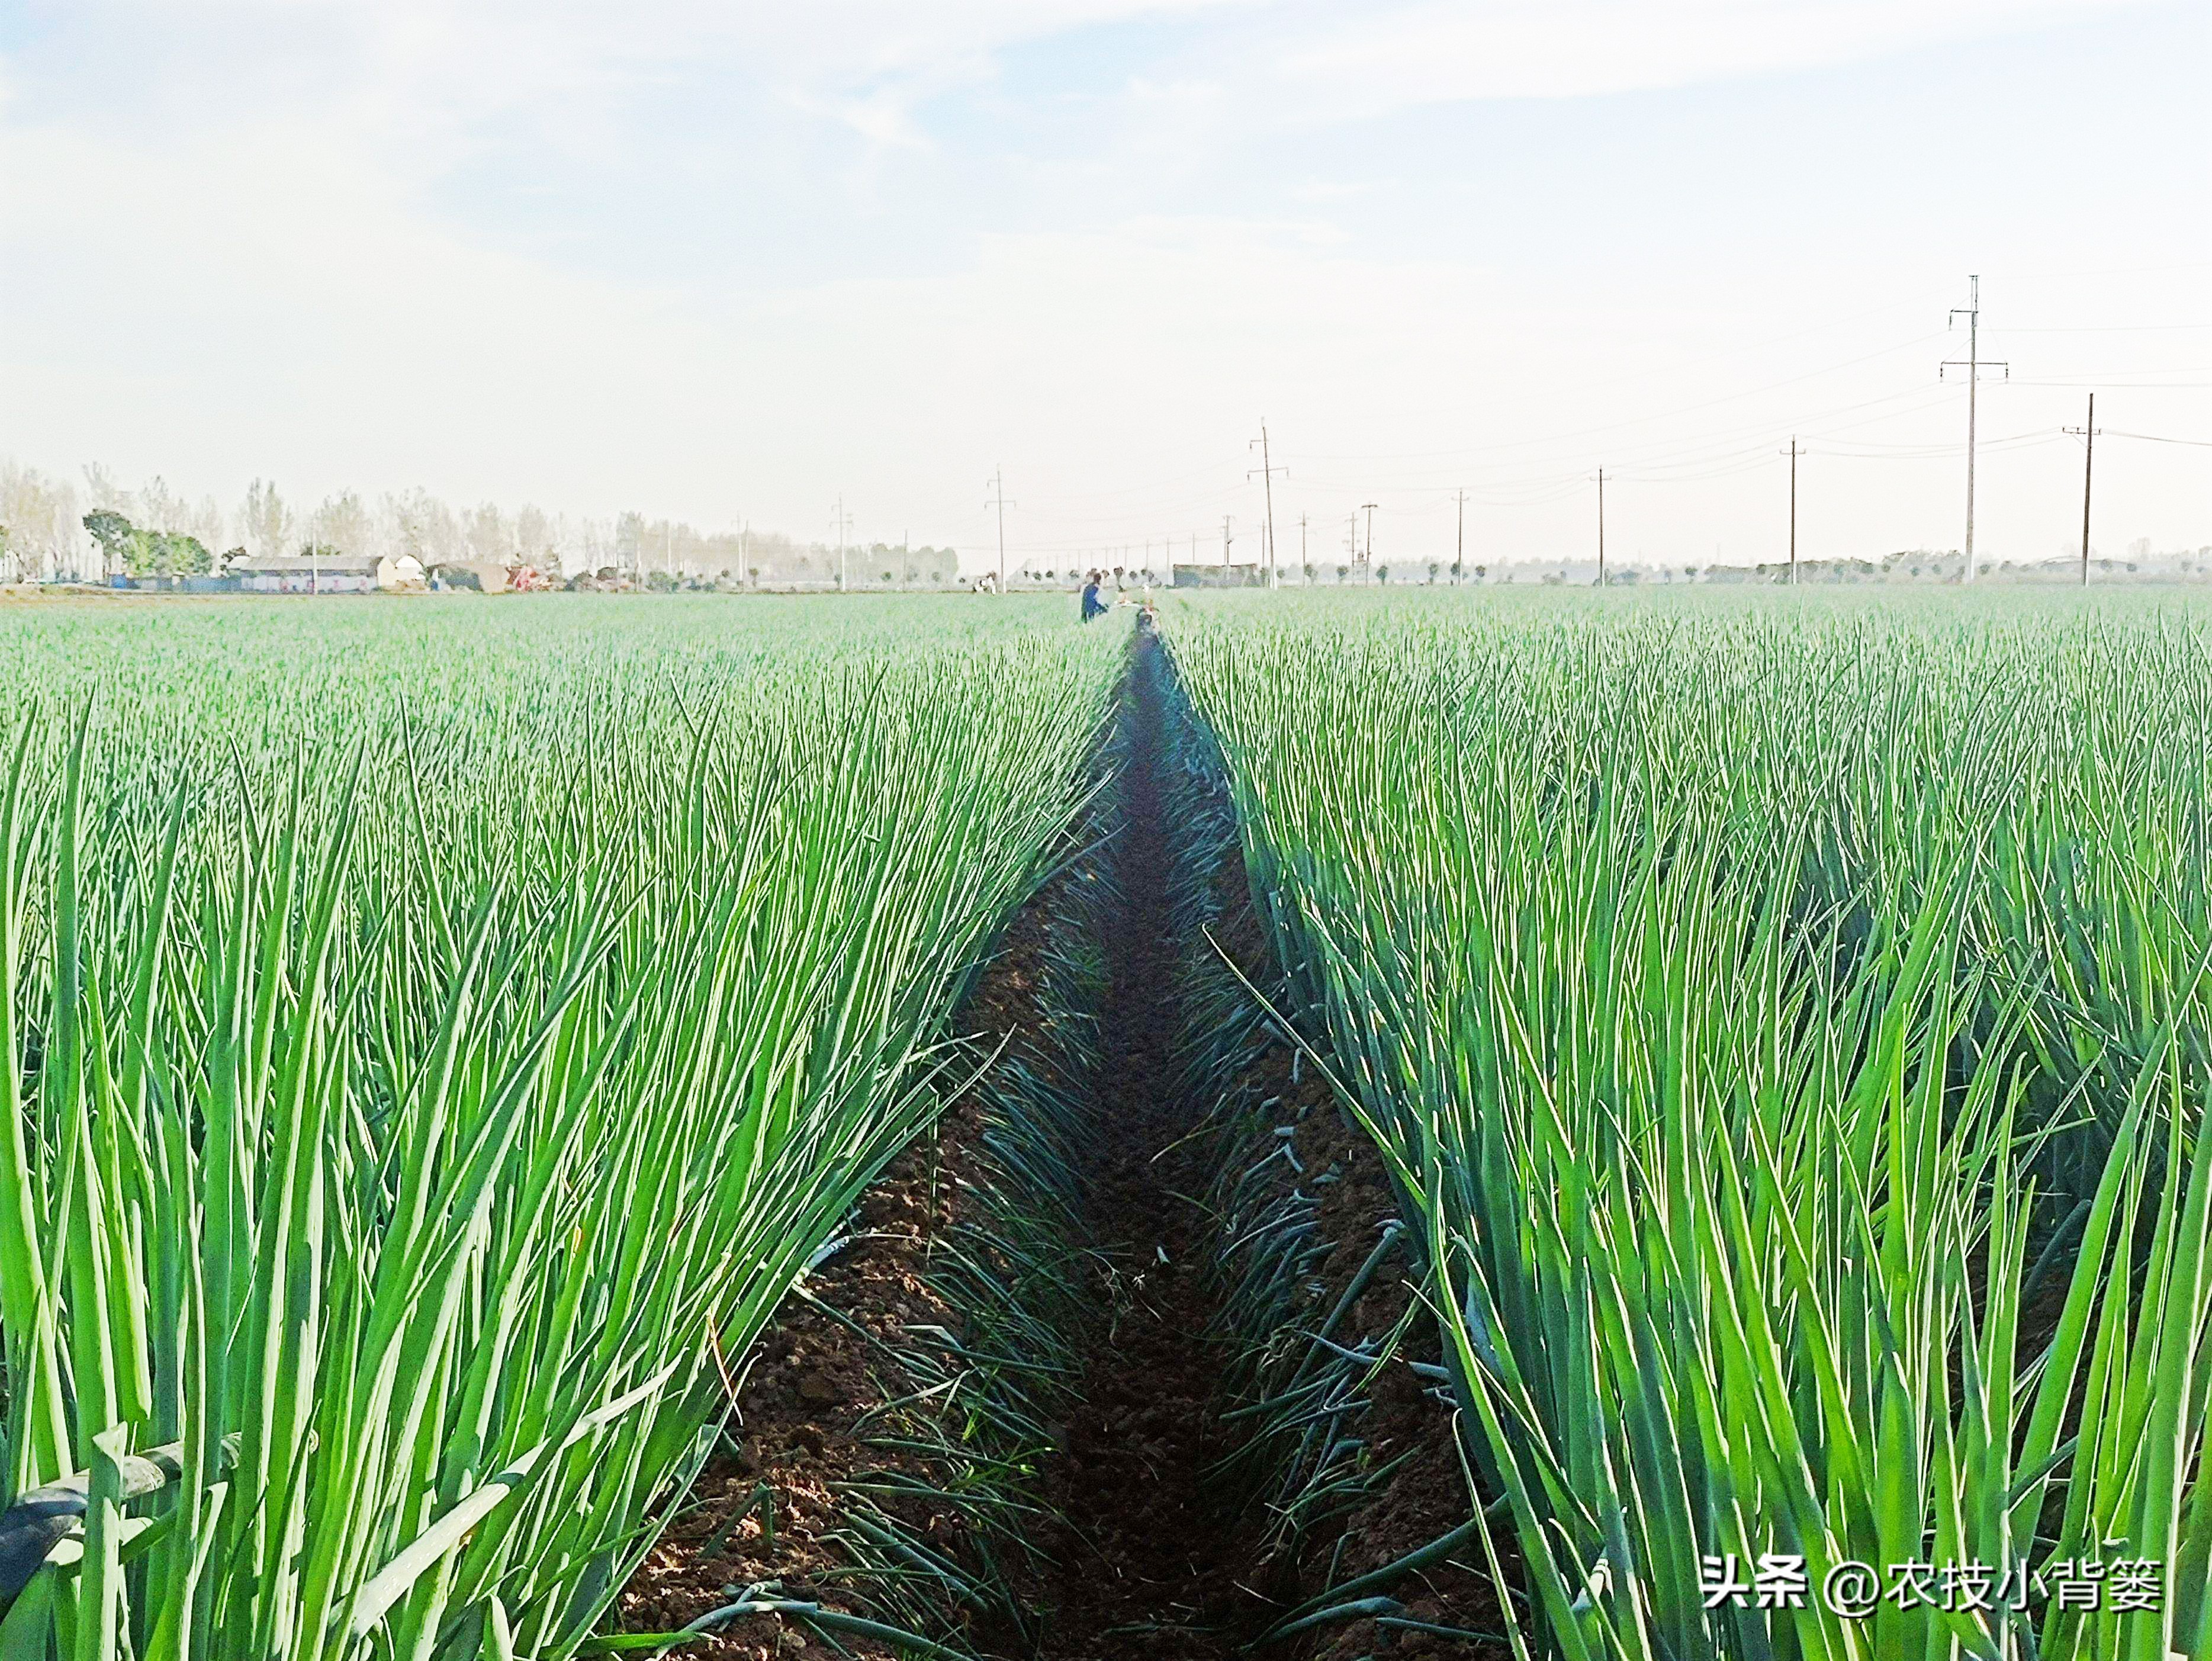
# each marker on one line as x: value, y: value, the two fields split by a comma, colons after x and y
x: 843, y: 525
x: 1600, y: 527
x: 1352, y: 539
x: 1972, y: 313
x: 998, y: 501
x: 1459, y: 541
x: 1793, y: 453
x: 1304, y: 574
x: 1267, y: 471
x: 2088, y: 434
x: 1225, y: 539
x: 1368, y: 508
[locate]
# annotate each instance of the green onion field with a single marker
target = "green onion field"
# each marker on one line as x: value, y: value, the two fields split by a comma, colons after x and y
x: 1775, y: 1030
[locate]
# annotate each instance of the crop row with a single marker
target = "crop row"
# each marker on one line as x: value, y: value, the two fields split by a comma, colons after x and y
x: 427, y: 1056
x: 1789, y: 1035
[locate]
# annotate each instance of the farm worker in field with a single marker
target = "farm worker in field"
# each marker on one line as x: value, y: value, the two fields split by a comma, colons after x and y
x: 1093, y: 606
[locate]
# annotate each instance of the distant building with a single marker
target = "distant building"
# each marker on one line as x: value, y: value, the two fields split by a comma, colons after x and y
x: 1220, y: 577
x: 326, y: 574
x: 484, y: 576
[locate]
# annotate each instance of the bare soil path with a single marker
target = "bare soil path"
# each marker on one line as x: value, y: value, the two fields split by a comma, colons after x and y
x: 1143, y: 1572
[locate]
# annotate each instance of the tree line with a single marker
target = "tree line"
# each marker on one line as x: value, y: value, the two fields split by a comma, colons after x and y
x: 54, y: 528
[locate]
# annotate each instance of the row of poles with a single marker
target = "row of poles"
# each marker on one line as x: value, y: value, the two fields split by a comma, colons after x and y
x: 1973, y: 364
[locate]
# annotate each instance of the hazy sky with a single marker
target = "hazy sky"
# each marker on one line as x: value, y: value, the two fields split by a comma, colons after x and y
x: 723, y: 262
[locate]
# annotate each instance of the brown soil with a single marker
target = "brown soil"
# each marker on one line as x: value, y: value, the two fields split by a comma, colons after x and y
x: 1142, y: 1572
x: 1147, y: 1563
x: 814, y: 1378
x: 1427, y: 1496
x: 1159, y: 1567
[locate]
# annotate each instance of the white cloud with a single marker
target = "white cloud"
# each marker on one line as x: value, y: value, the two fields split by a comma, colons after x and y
x: 243, y: 256
x: 1394, y: 57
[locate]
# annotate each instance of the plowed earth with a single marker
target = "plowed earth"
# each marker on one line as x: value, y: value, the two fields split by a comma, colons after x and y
x: 1149, y: 1563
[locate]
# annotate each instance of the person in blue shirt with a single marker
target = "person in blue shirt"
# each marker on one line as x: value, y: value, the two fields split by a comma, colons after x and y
x: 1093, y: 606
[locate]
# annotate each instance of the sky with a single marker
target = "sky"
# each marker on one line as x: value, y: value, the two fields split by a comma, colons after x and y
x: 731, y: 264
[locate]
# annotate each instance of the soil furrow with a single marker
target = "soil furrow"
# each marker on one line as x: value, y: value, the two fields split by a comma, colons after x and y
x: 1142, y: 1546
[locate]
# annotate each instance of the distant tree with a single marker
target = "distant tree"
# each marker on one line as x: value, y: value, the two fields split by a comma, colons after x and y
x: 44, y: 527
x: 660, y: 581
x: 888, y: 579
x: 344, y: 521
x: 184, y: 556
x: 1342, y: 572
x: 112, y: 532
x: 141, y: 553
x: 263, y: 520
x: 629, y: 542
x: 1435, y: 567
x: 419, y: 526
x: 1480, y: 572
x: 1382, y: 574
x: 537, y: 539
x: 1458, y: 569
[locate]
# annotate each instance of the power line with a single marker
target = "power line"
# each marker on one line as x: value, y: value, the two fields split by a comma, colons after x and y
x: 1600, y: 527
x: 1793, y: 453
x: 2087, y: 433
x: 2157, y: 438
x: 998, y: 500
x: 1644, y: 420
x: 1267, y: 472
x: 2110, y: 328
x: 1973, y: 367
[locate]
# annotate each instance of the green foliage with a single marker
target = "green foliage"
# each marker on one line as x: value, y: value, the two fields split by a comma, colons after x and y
x: 158, y: 553
x: 144, y: 553
x: 112, y: 532
x: 431, y: 1043
x: 1785, y: 1024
